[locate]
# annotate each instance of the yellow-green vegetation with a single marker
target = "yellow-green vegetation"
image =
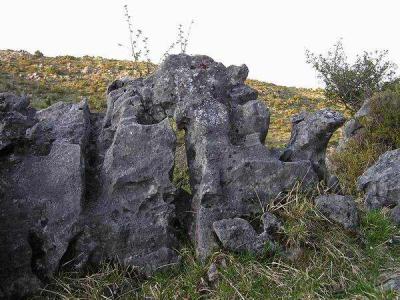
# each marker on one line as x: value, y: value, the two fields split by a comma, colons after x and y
x: 66, y: 78
x: 285, y: 102
x: 320, y: 261
x: 381, y: 133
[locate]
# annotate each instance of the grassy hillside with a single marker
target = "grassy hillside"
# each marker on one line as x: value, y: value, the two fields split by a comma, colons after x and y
x: 67, y: 78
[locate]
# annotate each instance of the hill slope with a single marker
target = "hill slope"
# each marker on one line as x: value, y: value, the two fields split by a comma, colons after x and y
x: 66, y: 78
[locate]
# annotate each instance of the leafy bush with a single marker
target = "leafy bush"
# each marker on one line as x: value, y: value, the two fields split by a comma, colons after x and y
x: 38, y: 54
x: 381, y: 133
x: 350, y: 84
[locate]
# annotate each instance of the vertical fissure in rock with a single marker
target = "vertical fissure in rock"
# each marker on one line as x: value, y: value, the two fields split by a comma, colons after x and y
x: 38, y: 255
x: 93, y: 161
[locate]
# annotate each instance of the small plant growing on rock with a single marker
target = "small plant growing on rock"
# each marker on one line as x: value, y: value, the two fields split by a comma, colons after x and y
x: 181, y: 42
x: 139, y: 48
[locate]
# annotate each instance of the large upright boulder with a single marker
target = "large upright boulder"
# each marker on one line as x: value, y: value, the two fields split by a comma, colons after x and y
x: 41, y: 189
x: 131, y: 217
x: 232, y: 173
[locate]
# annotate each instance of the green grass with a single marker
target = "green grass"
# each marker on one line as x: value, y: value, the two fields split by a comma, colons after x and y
x: 332, y: 264
x: 63, y: 78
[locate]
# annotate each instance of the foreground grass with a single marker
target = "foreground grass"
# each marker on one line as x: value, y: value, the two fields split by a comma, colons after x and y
x: 317, y: 260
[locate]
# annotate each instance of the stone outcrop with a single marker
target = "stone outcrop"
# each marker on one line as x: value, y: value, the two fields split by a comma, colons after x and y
x: 239, y: 236
x: 311, y: 133
x: 381, y: 182
x: 41, y: 189
x: 131, y: 217
x: 353, y: 127
x: 340, y: 209
x: 78, y: 188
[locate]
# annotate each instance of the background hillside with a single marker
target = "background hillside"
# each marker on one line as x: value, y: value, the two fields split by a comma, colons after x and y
x: 66, y: 78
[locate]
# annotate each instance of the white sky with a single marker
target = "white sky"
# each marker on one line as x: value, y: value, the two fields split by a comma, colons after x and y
x: 269, y: 36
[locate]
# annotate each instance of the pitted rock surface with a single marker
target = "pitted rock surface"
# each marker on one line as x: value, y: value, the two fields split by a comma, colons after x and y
x: 79, y: 188
x: 239, y: 236
x: 381, y: 183
x: 41, y: 189
x: 340, y: 209
x: 311, y: 133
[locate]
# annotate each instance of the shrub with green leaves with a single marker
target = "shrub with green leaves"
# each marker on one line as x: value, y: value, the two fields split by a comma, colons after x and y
x: 351, y: 83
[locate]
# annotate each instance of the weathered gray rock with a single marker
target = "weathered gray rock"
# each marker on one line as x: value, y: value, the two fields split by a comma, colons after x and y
x: 340, y: 209
x: 41, y: 191
x: 239, y: 236
x: 353, y: 127
x: 131, y: 219
x: 225, y: 125
x: 15, y: 117
x: 390, y: 282
x: 99, y: 188
x: 232, y: 173
x: 311, y: 133
x: 381, y: 182
x: 271, y: 223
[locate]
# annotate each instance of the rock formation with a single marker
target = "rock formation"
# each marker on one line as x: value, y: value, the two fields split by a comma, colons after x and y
x: 239, y: 236
x: 78, y: 188
x: 381, y: 183
x: 353, y: 127
x: 340, y: 209
x: 41, y: 189
x: 310, y: 136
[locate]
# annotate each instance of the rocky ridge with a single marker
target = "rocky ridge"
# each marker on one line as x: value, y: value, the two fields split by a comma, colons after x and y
x: 79, y: 187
